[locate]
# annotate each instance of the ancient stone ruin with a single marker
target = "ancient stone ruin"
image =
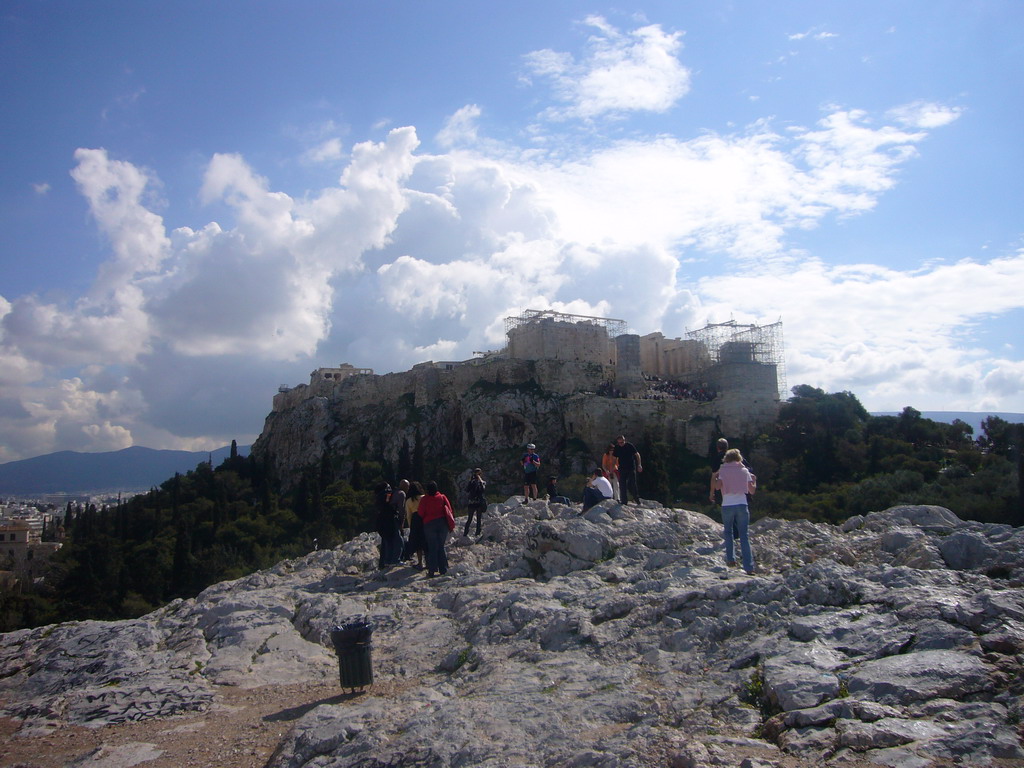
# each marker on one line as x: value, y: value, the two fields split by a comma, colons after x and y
x: 561, y: 378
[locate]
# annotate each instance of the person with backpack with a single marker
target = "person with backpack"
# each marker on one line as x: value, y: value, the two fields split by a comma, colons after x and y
x: 476, y: 491
x: 530, y: 462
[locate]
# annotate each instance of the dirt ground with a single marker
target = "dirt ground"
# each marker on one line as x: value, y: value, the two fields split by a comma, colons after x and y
x: 241, y: 730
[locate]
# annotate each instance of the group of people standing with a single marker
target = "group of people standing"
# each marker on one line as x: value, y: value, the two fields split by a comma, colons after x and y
x: 426, y: 513
x: 732, y: 483
x: 620, y: 465
x: 429, y: 517
x: 616, y: 478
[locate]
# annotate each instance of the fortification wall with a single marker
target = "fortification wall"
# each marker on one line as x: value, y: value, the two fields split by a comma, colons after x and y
x: 574, y: 359
x: 629, y: 377
x: 752, y: 380
x: 598, y: 420
x: 428, y: 383
x: 747, y: 392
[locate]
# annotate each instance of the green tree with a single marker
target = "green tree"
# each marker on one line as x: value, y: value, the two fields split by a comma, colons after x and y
x: 1003, y: 438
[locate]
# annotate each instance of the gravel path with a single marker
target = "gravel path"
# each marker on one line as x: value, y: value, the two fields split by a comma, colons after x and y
x: 241, y: 730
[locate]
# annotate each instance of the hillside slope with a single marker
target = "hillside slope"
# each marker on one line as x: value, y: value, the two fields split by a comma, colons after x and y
x: 130, y: 469
x: 617, y: 638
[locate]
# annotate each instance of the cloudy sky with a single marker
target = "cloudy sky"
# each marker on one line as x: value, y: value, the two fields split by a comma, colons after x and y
x: 203, y: 201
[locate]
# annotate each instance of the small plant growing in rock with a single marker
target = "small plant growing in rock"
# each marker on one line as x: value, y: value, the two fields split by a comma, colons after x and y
x: 753, y: 691
x: 755, y: 695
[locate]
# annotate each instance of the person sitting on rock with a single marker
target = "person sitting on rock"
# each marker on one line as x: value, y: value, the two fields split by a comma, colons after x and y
x: 552, y: 490
x: 598, y: 489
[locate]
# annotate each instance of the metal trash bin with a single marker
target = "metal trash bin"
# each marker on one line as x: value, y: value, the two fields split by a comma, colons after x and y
x: 352, y: 643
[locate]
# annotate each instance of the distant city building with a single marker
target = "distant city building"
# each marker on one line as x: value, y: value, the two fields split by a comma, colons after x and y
x: 22, y: 551
x: 343, y: 371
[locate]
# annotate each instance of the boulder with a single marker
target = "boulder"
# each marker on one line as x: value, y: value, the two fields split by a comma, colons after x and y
x: 913, y: 677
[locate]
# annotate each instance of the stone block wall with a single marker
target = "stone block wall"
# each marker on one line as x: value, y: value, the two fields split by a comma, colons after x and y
x: 756, y: 380
x: 681, y: 359
x: 549, y: 339
x: 629, y: 377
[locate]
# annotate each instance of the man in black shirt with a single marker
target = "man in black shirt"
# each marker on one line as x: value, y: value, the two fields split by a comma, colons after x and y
x: 629, y: 466
x: 476, y: 490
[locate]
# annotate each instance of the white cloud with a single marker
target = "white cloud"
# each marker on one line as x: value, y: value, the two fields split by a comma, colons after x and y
x: 815, y: 33
x: 924, y: 115
x: 460, y: 128
x: 620, y: 73
x: 116, y: 192
x: 41, y: 189
x: 737, y: 194
x: 1005, y: 379
x: 327, y: 151
x: 413, y: 255
x: 893, y: 337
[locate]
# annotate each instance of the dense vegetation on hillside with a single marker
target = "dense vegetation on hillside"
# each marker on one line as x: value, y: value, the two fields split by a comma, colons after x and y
x: 825, y: 460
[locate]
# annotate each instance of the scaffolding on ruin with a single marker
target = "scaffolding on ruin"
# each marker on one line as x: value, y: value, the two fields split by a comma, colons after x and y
x: 612, y: 326
x: 765, y: 342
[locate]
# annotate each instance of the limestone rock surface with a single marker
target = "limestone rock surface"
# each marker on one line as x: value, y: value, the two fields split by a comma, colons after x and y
x: 614, y: 639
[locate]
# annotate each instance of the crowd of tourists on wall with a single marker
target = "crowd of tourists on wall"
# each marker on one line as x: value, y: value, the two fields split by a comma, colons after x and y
x: 667, y: 389
x: 663, y: 389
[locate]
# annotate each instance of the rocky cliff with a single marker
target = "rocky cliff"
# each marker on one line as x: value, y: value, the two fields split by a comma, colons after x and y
x: 483, y: 415
x: 613, y: 639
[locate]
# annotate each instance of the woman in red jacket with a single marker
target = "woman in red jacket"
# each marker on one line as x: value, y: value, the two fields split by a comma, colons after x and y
x: 438, y: 522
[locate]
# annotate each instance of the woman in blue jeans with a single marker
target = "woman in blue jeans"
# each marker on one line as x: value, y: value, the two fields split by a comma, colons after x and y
x: 438, y: 522
x: 735, y: 481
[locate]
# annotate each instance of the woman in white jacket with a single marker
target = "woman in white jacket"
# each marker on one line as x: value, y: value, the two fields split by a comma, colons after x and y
x: 735, y: 481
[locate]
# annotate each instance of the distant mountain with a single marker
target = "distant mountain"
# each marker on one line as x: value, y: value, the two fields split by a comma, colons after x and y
x: 974, y: 418
x: 131, y: 469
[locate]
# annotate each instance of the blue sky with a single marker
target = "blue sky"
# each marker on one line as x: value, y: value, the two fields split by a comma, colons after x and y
x: 203, y: 201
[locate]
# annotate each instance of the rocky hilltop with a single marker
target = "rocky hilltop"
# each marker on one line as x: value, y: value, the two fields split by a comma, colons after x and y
x: 608, y: 640
x: 483, y: 415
